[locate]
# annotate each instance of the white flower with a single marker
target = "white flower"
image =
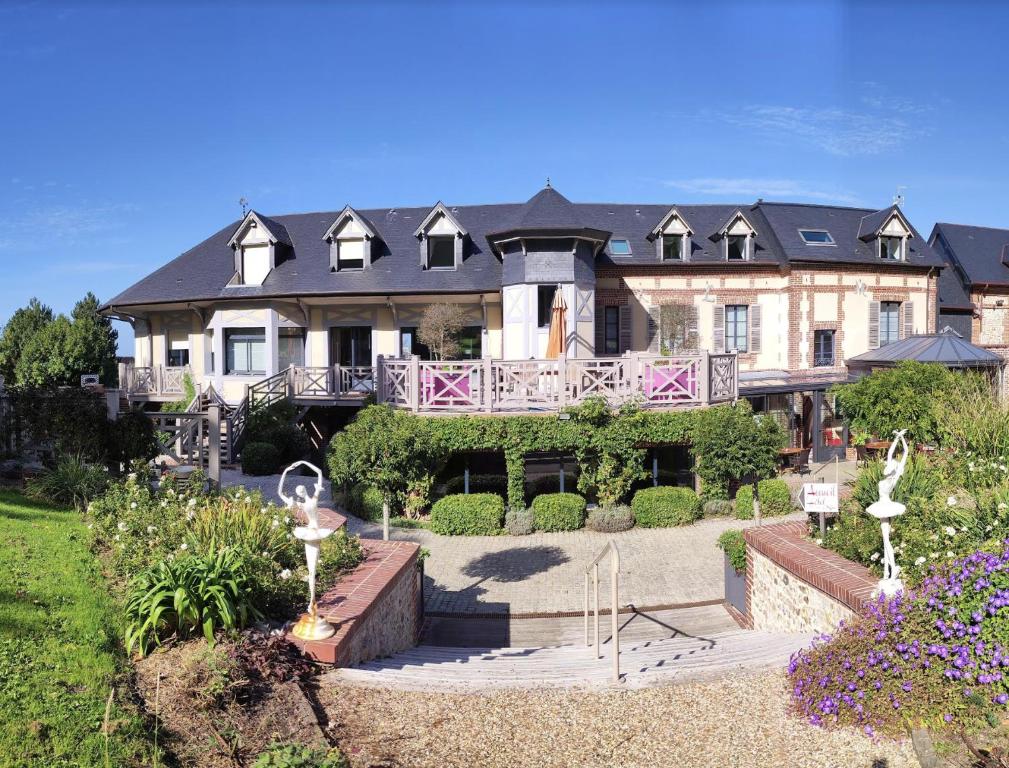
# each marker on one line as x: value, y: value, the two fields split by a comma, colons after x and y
x: 184, y: 546
x: 919, y: 560
x: 151, y: 529
x: 164, y: 503
x: 133, y: 505
x: 287, y: 520
x: 874, y: 557
x: 951, y: 501
x: 950, y: 554
x: 819, y: 542
x: 170, y: 557
x: 265, y: 553
x: 192, y: 503
x: 285, y: 574
x: 1001, y: 505
x: 90, y: 526
x: 190, y: 515
x: 121, y: 526
x: 950, y: 530
x: 116, y: 537
x: 275, y: 523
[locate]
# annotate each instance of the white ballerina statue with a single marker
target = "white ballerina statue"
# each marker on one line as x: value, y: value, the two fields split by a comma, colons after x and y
x: 886, y: 509
x: 310, y: 626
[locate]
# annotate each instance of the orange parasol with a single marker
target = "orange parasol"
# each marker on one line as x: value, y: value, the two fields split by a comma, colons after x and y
x: 557, y: 341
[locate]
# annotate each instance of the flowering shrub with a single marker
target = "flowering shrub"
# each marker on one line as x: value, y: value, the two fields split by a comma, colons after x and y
x: 138, y: 528
x: 938, y: 655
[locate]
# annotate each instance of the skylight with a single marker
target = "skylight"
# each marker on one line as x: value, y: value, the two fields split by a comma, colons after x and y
x: 816, y: 237
x: 620, y: 248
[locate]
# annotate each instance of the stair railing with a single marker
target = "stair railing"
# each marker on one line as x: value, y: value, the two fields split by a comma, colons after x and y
x: 592, y: 579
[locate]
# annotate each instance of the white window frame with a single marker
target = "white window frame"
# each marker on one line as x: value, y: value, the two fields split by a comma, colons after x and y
x: 735, y: 323
x: 901, y: 251
x: 684, y: 239
x: 747, y: 241
x: 829, y: 243
x: 615, y: 255
x: 339, y: 254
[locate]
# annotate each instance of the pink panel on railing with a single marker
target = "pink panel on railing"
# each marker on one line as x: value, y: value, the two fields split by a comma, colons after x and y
x: 675, y: 383
x: 445, y: 388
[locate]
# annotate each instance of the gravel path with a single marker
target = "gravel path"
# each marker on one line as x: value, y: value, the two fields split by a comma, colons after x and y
x: 737, y: 721
x: 543, y: 572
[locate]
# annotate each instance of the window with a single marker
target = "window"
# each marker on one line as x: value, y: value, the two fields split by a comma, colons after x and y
x: 889, y: 322
x: 349, y: 254
x: 620, y: 248
x: 672, y: 247
x: 255, y: 264
x: 891, y: 248
x: 611, y: 330
x: 816, y: 237
x: 178, y: 358
x: 245, y: 351
x: 178, y: 348
x: 735, y: 247
x: 735, y: 328
x: 441, y: 252
x: 544, y: 303
x: 470, y: 342
x: 823, y: 349
x: 677, y: 328
x: 290, y: 347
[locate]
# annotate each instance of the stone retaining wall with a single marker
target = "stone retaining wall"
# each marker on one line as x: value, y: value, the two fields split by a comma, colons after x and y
x: 376, y: 608
x: 794, y: 585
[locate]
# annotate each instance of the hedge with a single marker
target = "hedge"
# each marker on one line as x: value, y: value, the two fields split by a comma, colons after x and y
x: 497, y: 484
x: 260, y: 459
x: 474, y: 514
x: 610, y: 519
x: 734, y: 546
x: 365, y: 502
x: 558, y: 512
x: 775, y: 499
x: 665, y: 506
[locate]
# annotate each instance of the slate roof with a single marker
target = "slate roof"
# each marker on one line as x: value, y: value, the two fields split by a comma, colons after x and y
x: 202, y: 273
x: 979, y: 252
x: 946, y: 348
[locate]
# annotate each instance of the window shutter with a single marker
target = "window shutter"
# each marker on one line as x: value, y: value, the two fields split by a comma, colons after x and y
x: 754, y: 327
x: 691, y: 340
x: 908, y: 309
x: 654, y: 327
x: 718, y: 335
x: 625, y: 327
x: 658, y: 247
x: 334, y: 254
x: 238, y: 259
x: 873, y: 325
x: 600, y: 321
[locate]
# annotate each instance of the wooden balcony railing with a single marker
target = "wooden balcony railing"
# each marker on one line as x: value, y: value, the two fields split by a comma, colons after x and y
x: 153, y: 380
x: 532, y: 385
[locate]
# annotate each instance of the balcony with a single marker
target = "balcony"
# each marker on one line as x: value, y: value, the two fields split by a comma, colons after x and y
x: 497, y: 386
x: 155, y: 383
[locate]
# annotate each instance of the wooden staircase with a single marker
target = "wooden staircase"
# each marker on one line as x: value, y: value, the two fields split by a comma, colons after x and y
x: 645, y: 663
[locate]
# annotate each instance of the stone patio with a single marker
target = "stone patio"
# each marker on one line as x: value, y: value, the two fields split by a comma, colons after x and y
x: 543, y: 573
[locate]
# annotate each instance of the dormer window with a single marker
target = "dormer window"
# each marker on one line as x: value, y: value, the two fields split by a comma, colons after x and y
x: 349, y: 254
x: 259, y: 244
x: 673, y: 247
x: 441, y: 252
x: 891, y: 248
x: 351, y: 241
x: 441, y: 238
x: 735, y: 247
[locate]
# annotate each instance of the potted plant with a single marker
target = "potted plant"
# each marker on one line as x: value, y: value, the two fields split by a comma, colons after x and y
x: 733, y: 546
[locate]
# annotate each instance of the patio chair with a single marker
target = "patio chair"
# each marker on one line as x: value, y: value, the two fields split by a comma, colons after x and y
x: 800, y: 461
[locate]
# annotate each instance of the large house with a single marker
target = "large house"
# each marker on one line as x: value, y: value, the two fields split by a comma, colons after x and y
x: 767, y: 299
x: 974, y: 289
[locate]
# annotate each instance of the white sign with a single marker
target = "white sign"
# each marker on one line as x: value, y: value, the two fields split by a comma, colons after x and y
x: 819, y: 497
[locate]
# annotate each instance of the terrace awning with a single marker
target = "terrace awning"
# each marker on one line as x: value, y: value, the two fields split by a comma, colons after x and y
x: 945, y: 348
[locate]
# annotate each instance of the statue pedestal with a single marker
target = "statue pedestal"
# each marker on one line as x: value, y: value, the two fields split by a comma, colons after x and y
x: 311, y: 626
x: 885, y: 511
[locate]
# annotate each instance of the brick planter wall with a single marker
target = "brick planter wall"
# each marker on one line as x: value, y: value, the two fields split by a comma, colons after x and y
x: 793, y: 585
x: 375, y: 608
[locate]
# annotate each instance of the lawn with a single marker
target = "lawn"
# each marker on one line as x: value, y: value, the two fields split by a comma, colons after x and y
x: 60, y: 653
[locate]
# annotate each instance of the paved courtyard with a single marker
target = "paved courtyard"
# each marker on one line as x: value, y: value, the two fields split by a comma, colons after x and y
x: 543, y: 572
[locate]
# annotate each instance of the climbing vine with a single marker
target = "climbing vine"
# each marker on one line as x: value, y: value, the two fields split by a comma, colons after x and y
x: 609, y: 445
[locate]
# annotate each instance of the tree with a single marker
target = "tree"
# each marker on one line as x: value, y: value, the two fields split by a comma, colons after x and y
x: 23, y: 325
x: 392, y: 451
x: 439, y: 329
x: 93, y: 340
x: 48, y: 358
x: 731, y: 444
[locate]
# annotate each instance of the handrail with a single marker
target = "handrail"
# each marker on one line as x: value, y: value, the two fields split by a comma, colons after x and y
x: 592, y: 572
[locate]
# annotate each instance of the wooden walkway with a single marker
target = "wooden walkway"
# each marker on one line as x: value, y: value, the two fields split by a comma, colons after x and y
x: 654, y: 662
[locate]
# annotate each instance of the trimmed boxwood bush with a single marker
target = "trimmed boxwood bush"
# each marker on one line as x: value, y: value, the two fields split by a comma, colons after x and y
x: 365, y: 502
x: 474, y: 514
x: 519, y: 521
x: 610, y: 519
x: 775, y: 499
x: 558, y: 512
x: 665, y: 506
x: 260, y: 459
x: 718, y: 508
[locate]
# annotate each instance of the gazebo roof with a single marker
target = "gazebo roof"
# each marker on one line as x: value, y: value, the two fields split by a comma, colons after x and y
x: 946, y: 348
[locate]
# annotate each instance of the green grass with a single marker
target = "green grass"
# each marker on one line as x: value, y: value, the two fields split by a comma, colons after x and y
x: 60, y: 648
x: 406, y: 522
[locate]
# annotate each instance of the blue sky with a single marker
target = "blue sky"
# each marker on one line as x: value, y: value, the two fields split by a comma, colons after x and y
x: 129, y: 134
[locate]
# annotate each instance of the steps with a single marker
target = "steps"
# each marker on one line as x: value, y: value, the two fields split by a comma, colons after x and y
x: 654, y: 662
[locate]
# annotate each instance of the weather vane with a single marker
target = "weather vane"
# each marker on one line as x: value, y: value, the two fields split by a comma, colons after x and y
x: 244, y: 202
